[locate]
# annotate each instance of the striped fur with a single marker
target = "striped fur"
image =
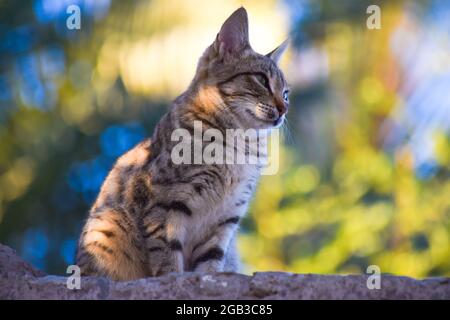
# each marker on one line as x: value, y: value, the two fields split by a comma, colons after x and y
x: 151, y: 216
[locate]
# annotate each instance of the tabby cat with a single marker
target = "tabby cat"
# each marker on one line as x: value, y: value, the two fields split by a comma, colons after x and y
x: 152, y: 216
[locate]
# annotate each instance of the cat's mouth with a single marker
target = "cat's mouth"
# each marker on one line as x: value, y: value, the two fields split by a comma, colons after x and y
x: 278, y: 123
x: 269, y: 114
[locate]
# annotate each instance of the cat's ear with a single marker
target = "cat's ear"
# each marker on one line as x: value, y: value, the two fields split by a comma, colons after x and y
x: 276, y: 54
x: 233, y: 36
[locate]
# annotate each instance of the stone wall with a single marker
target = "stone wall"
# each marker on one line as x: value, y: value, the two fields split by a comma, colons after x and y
x: 19, y: 280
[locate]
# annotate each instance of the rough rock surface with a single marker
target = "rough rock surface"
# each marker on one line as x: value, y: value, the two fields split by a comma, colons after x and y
x: 18, y: 280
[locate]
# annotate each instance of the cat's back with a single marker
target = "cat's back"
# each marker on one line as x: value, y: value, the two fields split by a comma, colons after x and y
x: 125, y: 171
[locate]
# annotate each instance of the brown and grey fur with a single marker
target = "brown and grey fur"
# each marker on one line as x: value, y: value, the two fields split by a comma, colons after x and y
x: 152, y: 216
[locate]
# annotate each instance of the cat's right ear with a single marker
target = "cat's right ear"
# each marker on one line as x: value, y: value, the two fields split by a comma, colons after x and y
x: 276, y: 54
x: 233, y: 36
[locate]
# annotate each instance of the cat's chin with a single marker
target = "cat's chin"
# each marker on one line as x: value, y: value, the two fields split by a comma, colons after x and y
x: 279, y: 122
x: 268, y: 124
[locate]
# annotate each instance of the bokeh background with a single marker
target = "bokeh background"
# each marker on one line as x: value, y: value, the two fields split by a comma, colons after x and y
x: 366, y: 153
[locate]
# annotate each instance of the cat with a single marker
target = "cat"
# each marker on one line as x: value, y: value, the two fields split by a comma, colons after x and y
x: 152, y: 216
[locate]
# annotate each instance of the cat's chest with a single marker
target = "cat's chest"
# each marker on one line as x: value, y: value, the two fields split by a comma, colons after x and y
x: 240, y: 185
x: 233, y: 204
x: 244, y: 182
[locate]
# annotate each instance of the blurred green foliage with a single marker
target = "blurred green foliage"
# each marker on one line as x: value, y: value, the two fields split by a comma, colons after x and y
x: 360, y: 204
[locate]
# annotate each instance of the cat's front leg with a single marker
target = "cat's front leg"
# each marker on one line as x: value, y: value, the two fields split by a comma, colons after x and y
x: 232, y: 263
x: 164, y: 235
x: 209, y: 255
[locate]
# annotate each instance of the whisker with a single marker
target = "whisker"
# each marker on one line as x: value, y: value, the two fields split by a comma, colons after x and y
x: 287, y: 132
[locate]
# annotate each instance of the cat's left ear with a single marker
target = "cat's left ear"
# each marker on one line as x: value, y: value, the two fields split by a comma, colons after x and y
x: 233, y: 36
x: 276, y: 54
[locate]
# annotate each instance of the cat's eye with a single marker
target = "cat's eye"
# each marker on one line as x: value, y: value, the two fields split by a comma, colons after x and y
x: 262, y: 79
x: 286, y: 95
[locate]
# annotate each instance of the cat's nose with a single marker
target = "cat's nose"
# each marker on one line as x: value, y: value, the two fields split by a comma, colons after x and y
x: 281, y: 107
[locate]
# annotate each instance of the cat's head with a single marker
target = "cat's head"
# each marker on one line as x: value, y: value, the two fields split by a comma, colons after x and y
x: 251, y: 85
